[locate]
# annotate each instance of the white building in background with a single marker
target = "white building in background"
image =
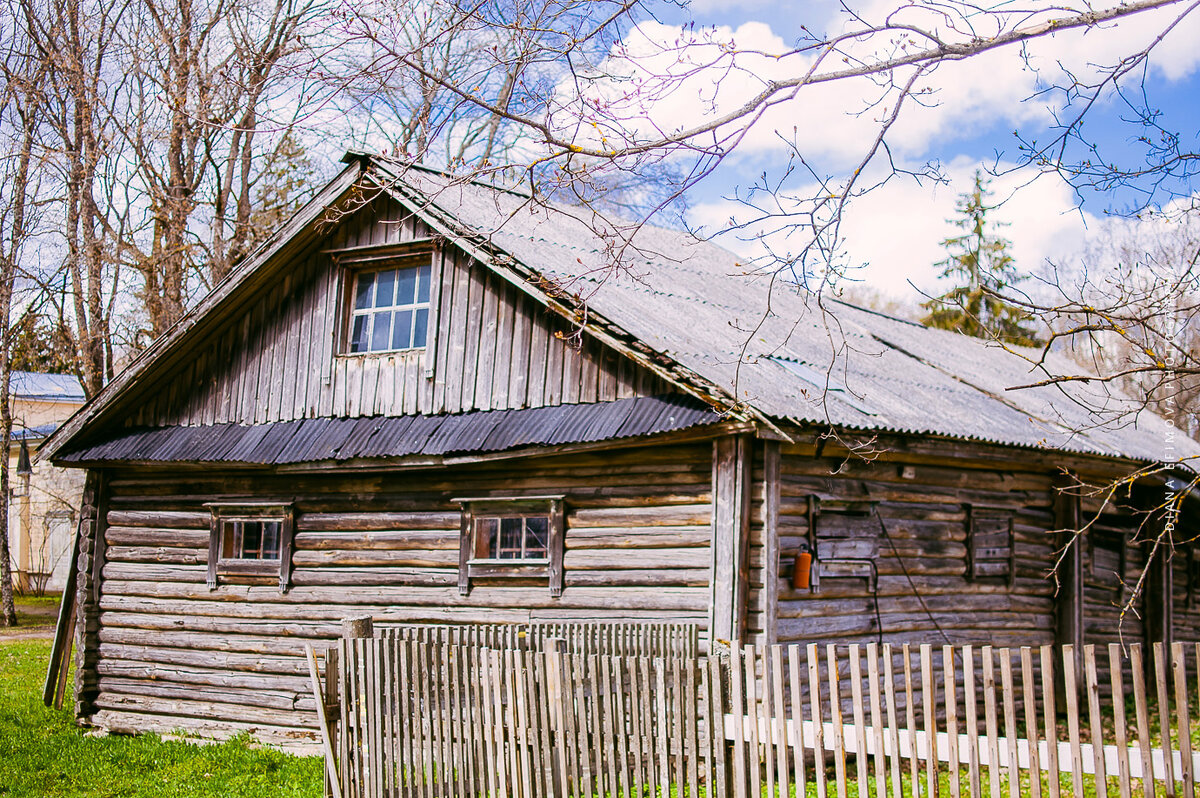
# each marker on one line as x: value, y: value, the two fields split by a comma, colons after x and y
x: 44, y: 505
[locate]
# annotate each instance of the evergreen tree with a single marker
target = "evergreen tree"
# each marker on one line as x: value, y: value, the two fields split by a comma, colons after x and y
x: 979, y: 268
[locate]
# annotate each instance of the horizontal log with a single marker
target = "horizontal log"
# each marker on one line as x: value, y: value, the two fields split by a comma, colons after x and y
x: 156, y: 536
x: 376, y: 522
x: 230, y: 660
x: 157, y: 554
x: 649, y: 578
x: 654, y: 515
x: 191, y: 622
x: 616, y: 598
x: 391, y: 539
x: 290, y: 701
x: 203, y: 641
x: 169, y: 519
x: 310, y: 612
x: 627, y: 537
x: 406, y: 558
x: 591, y: 559
x: 299, y: 741
x: 210, y: 710
x: 215, y: 677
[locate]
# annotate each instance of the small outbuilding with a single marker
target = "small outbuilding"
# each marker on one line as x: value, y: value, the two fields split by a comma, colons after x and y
x: 44, y: 502
x: 431, y: 400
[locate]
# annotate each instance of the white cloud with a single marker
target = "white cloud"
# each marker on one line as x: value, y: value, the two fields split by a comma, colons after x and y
x: 668, y: 78
x: 896, y: 231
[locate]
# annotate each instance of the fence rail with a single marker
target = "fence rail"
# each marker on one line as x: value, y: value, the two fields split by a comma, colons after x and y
x: 428, y: 715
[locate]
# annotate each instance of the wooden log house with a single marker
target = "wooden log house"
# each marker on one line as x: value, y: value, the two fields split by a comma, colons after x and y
x: 430, y: 400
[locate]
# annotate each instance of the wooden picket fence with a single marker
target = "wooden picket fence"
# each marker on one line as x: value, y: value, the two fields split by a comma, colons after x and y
x: 422, y: 715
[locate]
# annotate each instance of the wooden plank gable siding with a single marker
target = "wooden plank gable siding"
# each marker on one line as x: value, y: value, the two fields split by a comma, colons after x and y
x: 491, y: 347
x: 169, y: 653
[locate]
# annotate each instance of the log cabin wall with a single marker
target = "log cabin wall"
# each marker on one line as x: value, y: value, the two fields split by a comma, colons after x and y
x: 932, y: 586
x: 492, y: 347
x: 916, y: 541
x: 169, y: 653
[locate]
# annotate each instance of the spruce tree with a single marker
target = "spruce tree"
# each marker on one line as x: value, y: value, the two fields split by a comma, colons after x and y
x: 979, y: 268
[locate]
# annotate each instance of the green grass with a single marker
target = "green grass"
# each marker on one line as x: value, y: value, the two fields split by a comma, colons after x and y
x: 44, y: 754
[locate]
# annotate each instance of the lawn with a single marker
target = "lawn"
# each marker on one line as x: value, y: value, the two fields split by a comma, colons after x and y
x: 45, y: 754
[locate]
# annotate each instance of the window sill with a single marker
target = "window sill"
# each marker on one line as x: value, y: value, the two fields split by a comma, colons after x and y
x: 414, y: 350
x: 248, y: 568
x: 511, y: 569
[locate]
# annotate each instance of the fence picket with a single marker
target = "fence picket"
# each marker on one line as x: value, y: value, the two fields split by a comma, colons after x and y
x: 929, y: 703
x: 1161, y: 664
x: 889, y: 688
x: 1010, y: 723
x: 950, y: 685
x: 861, y: 761
x: 1097, y: 731
x: 818, y: 726
x: 1184, y: 725
x: 1053, y: 780
x: 990, y: 720
x: 793, y: 657
x: 910, y: 713
x: 876, y: 721
x: 1142, y: 715
x: 971, y: 721
x: 835, y: 717
x: 1031, y: 722
x: 1117, y: 680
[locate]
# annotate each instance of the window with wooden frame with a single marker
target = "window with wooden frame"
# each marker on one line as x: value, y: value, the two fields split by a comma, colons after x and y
x: 250, y: 541
x: 512, y: 538
x: 990, y: 550
x: 389, y: 306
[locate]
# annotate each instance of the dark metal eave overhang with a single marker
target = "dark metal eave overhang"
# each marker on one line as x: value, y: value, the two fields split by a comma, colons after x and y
x: 408, y: 441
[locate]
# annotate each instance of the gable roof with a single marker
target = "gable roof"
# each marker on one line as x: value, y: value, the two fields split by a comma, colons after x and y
x: 691, y: 312
x: 773, y: 346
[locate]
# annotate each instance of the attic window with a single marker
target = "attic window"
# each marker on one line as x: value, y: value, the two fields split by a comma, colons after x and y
x: 825, y: 382
x: 390, y: 309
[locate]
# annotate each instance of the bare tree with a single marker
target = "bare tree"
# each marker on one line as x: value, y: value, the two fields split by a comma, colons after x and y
x: 24, y: 70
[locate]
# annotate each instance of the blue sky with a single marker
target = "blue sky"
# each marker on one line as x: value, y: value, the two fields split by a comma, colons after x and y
x: 978, y: 104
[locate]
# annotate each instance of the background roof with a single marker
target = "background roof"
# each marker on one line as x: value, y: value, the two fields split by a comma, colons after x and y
x: 46, y: 387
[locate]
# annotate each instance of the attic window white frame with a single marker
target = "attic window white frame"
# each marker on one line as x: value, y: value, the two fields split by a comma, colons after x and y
x: 353, y: 261
x: 222, y: 514
x: 550, y: 567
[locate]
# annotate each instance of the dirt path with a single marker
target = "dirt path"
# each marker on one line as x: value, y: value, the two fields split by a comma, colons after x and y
x: 37, y: 623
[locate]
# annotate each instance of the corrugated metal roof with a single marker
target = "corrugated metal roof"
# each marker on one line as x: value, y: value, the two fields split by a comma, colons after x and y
x: 36, y: 386
x: 321, y: 439
x: 695, y: 302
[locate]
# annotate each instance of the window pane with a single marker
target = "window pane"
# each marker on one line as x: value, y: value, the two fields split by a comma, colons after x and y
x: 423, y: 284
x: 486, y: 540
x: 385, y: 288
x: 228, y: 540
x: 251, y: 540
x: 510, y: 538
x: 407, y: 288
x: 380, y: 330
x: 537, y: 537
x: 270, y: 540
x: 358, y: 335
x: 402, y: 334
x: 421, y: 329
x: 362, y: 297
